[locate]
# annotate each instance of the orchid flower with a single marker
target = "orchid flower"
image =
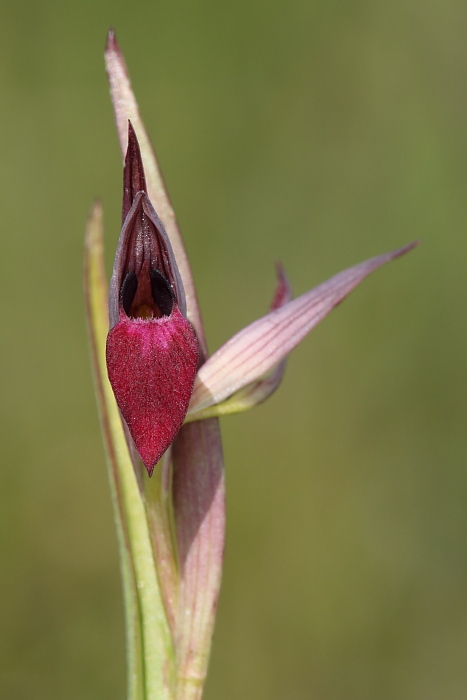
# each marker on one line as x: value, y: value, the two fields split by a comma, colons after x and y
x: 160, y: 395
x: 152, y: 350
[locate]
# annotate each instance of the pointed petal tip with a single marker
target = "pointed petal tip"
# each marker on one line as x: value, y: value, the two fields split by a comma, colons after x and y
x: 111, y: 43
x: 280, y: 270
x: 133, y: 140
x: 405, y: 249
x: 281, y: 274
x: 149, y: 469
x: 134, y: 179
x: 283, y: 291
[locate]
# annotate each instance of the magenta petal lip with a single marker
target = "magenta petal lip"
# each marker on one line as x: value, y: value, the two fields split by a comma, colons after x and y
x: 152, y: 365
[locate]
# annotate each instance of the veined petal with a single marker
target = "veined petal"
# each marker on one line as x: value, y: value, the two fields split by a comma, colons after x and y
x: 252, y: 352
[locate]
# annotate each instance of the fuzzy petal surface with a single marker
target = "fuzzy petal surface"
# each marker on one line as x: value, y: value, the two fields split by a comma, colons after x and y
x: 152, y: 365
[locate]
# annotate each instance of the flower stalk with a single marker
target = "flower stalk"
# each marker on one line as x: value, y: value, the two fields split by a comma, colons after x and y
x: 159, y: 397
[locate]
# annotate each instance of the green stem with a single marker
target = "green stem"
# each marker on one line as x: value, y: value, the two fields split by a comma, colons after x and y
x: 150, y: 655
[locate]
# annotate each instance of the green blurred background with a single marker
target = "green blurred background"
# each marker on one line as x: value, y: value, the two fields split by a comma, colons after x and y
x: 315, y: 132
